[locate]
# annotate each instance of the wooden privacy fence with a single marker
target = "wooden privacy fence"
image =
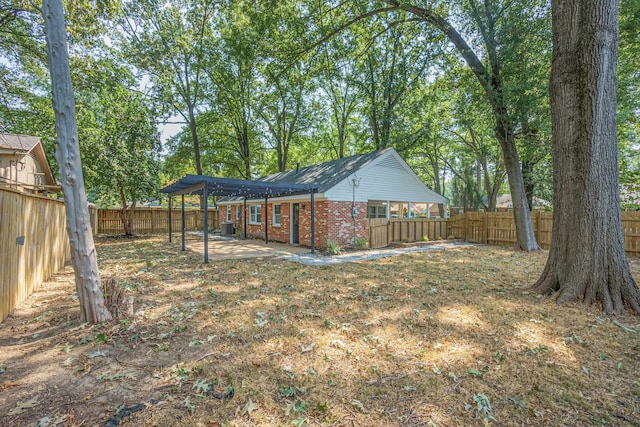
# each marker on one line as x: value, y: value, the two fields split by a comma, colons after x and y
x: 34, y: 245
x: 498, y: 228
x: 152, y: 220
x: 383, y: 232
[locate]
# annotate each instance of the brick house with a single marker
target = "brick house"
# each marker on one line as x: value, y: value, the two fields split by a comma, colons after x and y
x: 351, y: 191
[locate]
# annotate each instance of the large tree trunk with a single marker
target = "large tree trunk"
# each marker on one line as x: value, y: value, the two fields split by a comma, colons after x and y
x: 528, y: 178
x: 492, y: 189
x: 196, y: 143
x: 246, y: 150
x: 126, y: 213
x: 587, y: 261
x: 83, y: 252
x: 194, y: 138
x: 490, y: 79
x: 526, y: 239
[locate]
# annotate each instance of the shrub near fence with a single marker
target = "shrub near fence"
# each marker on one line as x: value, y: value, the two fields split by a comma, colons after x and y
x: 34, y: 245
x: 153, y: 220
x: 498, y: 228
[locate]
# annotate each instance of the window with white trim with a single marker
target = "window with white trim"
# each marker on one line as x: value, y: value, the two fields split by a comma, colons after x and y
x: 276, y: 215
x: 376, y: 211
x: 255, y: 214
x: 228, y: 213
x: 238, y: 212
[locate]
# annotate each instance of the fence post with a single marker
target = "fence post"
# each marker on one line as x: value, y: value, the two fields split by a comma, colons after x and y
x: 536, y: 228
x: 485, y: 225
x: 467, y: 227
x: 94, y: 220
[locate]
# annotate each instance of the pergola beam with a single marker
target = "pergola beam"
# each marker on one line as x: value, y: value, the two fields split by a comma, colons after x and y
x: 209, y: 185
x: 194, y: 184
x: 193, y: 189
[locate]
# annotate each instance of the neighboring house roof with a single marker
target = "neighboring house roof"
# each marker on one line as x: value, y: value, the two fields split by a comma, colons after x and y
x: 328, y: 174
x: 330, y: 177
x: 630, y: 195
x: 18, y: 143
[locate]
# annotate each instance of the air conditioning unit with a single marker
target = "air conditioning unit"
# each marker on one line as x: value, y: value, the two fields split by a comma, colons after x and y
x: 227, y: 229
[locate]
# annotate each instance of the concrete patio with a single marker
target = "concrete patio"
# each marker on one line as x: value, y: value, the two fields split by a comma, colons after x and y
x: 223, y: 248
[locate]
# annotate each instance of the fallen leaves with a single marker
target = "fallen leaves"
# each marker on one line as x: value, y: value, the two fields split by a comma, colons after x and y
x: 23, y: 406
x: 372, y: 343
x: 249, y: 407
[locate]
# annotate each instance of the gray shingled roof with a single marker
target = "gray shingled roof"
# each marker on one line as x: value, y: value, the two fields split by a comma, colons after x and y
x: 328, y: 174
x: 15, y: 142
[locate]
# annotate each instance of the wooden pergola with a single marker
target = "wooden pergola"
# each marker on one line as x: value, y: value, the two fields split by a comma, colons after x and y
x: 206, y: 186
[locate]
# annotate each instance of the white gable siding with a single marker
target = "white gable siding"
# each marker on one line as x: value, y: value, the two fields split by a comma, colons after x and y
x: 386, y: 179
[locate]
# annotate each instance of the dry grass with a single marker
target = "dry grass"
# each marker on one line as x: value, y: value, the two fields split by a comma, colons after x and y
x: 418, y: 340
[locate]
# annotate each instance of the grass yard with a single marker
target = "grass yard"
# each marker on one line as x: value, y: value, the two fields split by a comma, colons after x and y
x: 448, y: 338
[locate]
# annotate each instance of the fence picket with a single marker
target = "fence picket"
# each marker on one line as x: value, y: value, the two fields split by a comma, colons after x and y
x: 493, y: 228
x: 34, y: 245
x: 153, y: 220
x: 499, y: 227
x: 383, y: 232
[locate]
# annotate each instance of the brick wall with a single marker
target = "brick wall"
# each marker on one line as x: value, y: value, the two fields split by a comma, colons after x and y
x: 341, y: 225
x: 333, y: 221
x: 256, y: 231
x: 321, y: 229
x: 280, y: 233
x: 222, y: 212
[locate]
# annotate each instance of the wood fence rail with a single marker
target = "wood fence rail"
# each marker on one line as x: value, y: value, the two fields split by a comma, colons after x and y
x: 151, y: 220
x: 498, y: 228
x: 383, y: 232
x: 34, y: 245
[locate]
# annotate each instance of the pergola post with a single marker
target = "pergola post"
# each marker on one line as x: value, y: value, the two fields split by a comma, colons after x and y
x: 170, y: 200
x: 205, y: 196
x: 205, y: 186
x: 184, y: 247
x: 245, y: 217
x: 313, y: 224
x: 266, y: 220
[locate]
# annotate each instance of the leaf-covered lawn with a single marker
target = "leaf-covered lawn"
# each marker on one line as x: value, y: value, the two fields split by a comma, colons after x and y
x: 445, y: 338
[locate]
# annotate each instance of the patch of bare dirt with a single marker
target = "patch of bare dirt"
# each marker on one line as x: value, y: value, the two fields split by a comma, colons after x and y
x: 443, y: 338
